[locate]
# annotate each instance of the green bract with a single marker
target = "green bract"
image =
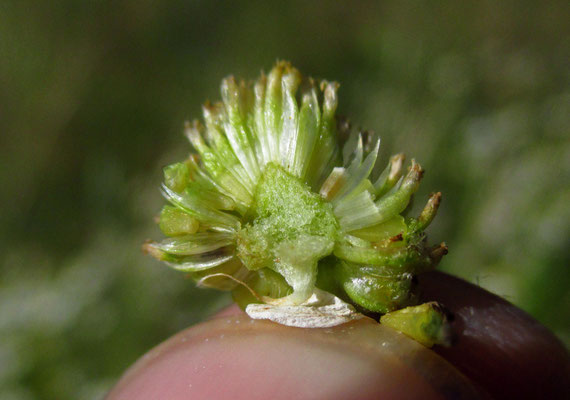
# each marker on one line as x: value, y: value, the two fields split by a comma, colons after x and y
x: 281, y: 202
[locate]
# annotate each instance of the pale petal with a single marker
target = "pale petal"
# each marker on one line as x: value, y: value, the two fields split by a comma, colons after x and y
x: 321, y: 310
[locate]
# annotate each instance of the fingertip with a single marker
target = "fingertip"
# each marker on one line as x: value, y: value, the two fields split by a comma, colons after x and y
x: 228, y: 311
x: 499, y: 346
x: 239, y: 358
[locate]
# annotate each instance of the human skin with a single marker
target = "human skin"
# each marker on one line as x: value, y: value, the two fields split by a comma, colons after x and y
x: 499, y: 352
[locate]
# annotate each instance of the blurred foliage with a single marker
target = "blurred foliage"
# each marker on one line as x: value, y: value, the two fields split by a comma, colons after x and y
x: 93, y: 95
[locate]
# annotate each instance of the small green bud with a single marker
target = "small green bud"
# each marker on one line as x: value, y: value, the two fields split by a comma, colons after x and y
x: 427, y: 323
x: 175, y: 222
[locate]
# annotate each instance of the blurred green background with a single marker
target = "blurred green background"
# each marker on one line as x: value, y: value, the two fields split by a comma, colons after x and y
x: 93, y: 96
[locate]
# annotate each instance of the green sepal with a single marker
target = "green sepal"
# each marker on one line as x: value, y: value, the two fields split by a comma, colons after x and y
x: 224, y: 171
x: 238, y: 101
x: 192, y: 262
x: 393, y: 260
x: 394, y: 203
x: 177, y: 176
x: 381, y: 232
x: 265, y: 283
x: 273, y: 109
x: 226, y: 276
x: 309, y: 122
x: 427, y: 215
x: 196, y: 243
x: 390, y: 176
x: 326, y: 149
x: 368, y: 288
x: 195, y: 205
x: 174, y: 222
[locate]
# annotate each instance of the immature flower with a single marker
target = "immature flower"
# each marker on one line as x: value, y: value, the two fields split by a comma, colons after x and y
x: 282, y: 205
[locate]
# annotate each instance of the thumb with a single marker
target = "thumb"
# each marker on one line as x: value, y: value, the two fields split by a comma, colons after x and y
x: 235, y: 357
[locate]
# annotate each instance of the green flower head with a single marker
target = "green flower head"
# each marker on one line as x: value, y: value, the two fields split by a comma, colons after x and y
x: 281, y: 202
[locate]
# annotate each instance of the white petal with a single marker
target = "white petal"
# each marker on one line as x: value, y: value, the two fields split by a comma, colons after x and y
x: 321, y: 310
